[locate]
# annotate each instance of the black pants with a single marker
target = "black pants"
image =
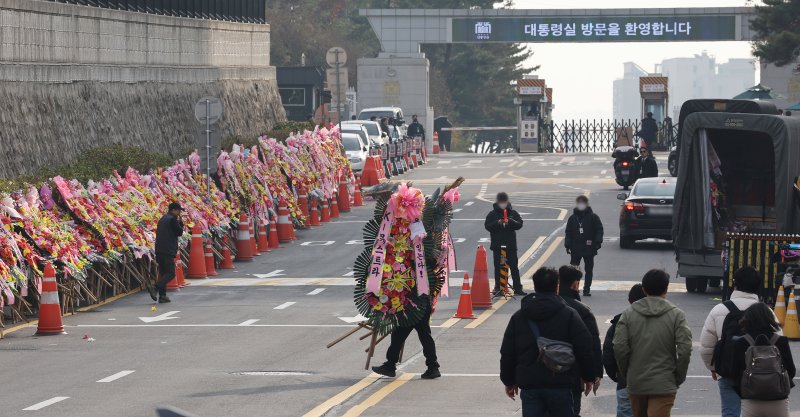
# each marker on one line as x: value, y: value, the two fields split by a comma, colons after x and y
x: 399, y: 336
x: 166, y: 272
x: 511, y: 259
x: 588, y: 267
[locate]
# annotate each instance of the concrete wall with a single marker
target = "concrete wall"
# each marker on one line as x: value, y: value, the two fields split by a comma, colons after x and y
x: 75, y: 77
x: 784, y: 81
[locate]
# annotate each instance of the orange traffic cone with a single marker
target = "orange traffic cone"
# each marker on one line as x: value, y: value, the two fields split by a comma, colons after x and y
x: 791, y: 328
x: 210, y: 260
x: 227, y: 262
x: 302, y: 201
x: 465, y: 302
x: 173, y: 284
x: 285, y: 228
x: 313, y: 218
x: 253, y: 244
x: 179, y: 275
x: 435, y: 143
x: 780, y: 306
x: 243, y: 248
x: 49, y: 305
x: 358, y: 200
x: 344, y: 197
x: 481, y: 297
x: 197, y: 263
x: 263, y: 243
x: 326, y: 215
x: 274, y: 242
x: 335, y: 206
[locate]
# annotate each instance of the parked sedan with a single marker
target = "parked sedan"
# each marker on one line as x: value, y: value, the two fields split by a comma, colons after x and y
x: 356, y: 150
x: 646, y: 211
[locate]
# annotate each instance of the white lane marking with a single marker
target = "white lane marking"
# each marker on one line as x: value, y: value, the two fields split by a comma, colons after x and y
x: 476, y: 161
x: 555, y: 173
x: 505, y: 161
x: 512, y: 165
x: 355, y: 319
x: 44, y: 404
x: 275, y: 273
x: 496, y: 175
x: 285, y: 305
x: 567, y: 159
x: 317, y: 291
x: 444, y: 162
x: 160, y: 317
x: 248, y: 322
x: 457, y: 210
x: 521, y: 164
x: 116, y: 376
x: 469, y: 203
x: 349, y: 274
x: 271, y: 373
x: 603, y: 172
x: 318, y: 243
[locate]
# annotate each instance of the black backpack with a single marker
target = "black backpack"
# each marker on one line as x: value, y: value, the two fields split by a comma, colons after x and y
x: 764, y: 377
x: 722, y: 361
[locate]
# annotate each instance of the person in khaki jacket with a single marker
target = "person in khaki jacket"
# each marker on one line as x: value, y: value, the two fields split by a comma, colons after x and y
x: 652, y: 345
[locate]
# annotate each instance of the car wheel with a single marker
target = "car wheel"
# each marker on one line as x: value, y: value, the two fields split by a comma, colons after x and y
x: 626, y: 242
x: 672, y: 166
x: 714, y: 282
x: 702, y: 285
x: 691, y: 284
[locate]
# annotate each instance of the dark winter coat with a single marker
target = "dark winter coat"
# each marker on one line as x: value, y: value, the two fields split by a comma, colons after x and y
x: 649, y: 130
x: 573, y: 299
x: 519, y: 352
x: 740, y: 350
x: 576, y: 241
x: 646, y: 167
x: 503, y: 235
x: 415, y: 129
x: 609, y: 361
x: 168, y: 231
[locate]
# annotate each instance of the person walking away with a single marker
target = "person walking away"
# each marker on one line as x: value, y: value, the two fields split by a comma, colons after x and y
x: 385, y: 126
x: 569, y: 282
x: 168, y: 230
x: 763, y: 367
x: 648, y: 132
x: 584, y: 237
x: 646, y: 166
x: 719, y: 331
x: 545, y: 319
x: 415, y: 129
x: 610, y: 362
x: 398, y: 340
x: 502, y: 224
x: 653, y: 344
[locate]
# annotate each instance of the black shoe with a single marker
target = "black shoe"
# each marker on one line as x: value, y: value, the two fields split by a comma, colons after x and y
x: 520, y: 292
x: 497, y: 292
x: 386, y: 370
x: 153, y: 293
x: 164, y: 299
x: 587, y: 294
x: 431, y: 373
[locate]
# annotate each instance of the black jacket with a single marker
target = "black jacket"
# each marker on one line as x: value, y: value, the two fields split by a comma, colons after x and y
x: 503, y: 235
x: 609, y: 360
x: 519, y: 352
x: 573, y: 299
x: 415, y: 129
x: 575, y: 241
x: 646, y: 167
x: 168, y: 231
x: 649, y: 130
x: 740, y: 349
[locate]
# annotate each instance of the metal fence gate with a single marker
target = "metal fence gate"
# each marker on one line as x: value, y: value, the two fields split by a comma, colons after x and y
x: 599, y: 135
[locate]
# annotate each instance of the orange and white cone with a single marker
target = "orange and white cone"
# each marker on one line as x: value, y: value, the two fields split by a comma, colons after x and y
x: 791, y: 328
x: 263, y: 243
x: 481, y: 298
x: 285, y: 228
x: 435, y: 143
x: 335, y: 206
x: 179, y: 273
x: 209, y: 255
x: 344, y: 197
x: 313, y: 218
x: 780, y: 306
x: 253, y: 244
x: 243, y: 248
x: 302, y: 201
x: 227, y: 262
x: 197, y: 256
x: 173, y: 284
x: 49, y: 306
x: 358, y: 200
x: 326, y: 215
x: 274, y: 242
x: 465, y: 302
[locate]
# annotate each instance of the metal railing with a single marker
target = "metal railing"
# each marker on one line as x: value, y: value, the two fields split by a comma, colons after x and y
x: 246, y: 11
x: 600, y: 135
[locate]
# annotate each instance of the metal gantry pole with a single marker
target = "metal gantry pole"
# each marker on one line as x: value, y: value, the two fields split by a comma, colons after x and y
x: 208, y: 147
x: 338, y: 89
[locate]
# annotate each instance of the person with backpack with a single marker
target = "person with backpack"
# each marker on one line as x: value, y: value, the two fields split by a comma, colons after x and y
x: 610, y: 362
x: 721, y: 326
x: 763, y: 367
x: 546, y: 348
x: 569, y: 284
x: 653, y: 344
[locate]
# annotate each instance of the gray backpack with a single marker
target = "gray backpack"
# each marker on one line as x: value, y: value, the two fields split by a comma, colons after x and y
x: 764, y: 377
x: 555, y: 355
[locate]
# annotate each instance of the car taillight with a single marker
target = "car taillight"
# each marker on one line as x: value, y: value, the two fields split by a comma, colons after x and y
x: 636, y: 207
x: 625, y: 163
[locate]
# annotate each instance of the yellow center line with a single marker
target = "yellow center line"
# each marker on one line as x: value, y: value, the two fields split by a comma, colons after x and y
x: 378, y: 396
x: 499, y: 173
x: 545, y: 256
x: 486, y: 314
x: 529, y: 252
x: 449, y: 323
x: 341, y: 397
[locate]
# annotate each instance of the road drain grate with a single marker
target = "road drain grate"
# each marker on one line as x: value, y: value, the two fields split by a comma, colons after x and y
x: 271, y: 373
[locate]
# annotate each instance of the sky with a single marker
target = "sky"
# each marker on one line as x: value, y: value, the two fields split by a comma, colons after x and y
x: 582, y: 75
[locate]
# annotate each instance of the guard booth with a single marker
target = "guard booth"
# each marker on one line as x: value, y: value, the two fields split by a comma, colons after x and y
x: 531, y: 101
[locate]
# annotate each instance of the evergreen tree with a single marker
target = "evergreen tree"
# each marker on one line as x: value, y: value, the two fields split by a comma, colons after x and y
x: 777, y: 31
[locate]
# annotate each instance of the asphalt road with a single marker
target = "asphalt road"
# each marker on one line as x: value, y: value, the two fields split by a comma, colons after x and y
x: 252, y: 342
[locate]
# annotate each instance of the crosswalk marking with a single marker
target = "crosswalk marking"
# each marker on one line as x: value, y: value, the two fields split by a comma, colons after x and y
x: 285, y: 305
x: 443, y: 162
